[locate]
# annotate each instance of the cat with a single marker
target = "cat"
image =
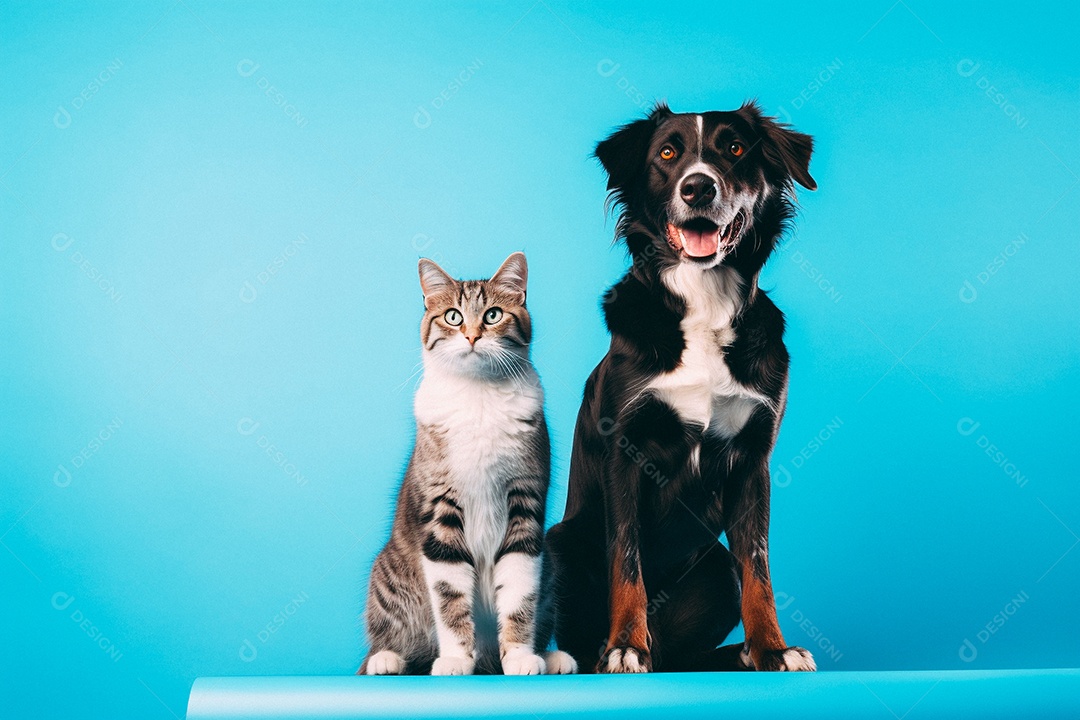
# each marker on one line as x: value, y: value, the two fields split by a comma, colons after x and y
x: 462, y: 585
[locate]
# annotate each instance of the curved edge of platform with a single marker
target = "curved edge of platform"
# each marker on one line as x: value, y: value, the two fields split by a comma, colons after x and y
x: 886, y: 695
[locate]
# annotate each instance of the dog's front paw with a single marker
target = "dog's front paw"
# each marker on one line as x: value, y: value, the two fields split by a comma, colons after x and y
x: 449, y: 665
x: 792, y: 659
x: 522, y: 662
x: 624, y: 659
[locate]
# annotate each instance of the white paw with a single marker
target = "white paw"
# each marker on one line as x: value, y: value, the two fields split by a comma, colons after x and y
x: 624, y: 660
x: 796, y: 659
x: 385, y: 662
x: 560, y: 663
x: 522, y: 662
x: 449, y: 665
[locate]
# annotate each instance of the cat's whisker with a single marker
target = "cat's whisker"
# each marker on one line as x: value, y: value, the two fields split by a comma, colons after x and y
x: 514, y: 365
x: 417, y: 370
x: 505, y: 363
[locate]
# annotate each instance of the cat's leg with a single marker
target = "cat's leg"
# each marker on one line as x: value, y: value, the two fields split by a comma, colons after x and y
x: 390, y: 617
x: 450, y: 577
x: 451, y: 586
x: 517, y: 580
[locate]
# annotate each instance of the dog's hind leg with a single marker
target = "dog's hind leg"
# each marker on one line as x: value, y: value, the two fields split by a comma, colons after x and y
x: 580, y: 591
x: 692, y: 610
x: 729, y: 658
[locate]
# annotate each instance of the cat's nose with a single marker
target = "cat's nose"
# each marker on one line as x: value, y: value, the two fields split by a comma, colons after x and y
x: 472, y: 336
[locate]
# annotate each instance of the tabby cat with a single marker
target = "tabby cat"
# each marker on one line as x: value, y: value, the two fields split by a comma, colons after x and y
x: 461, y: 586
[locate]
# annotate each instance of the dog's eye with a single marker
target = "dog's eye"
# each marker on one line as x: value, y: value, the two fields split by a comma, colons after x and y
x: 668, y: 153
x: 453, y: 317
x: 493, y: 316
x: 736, y: 149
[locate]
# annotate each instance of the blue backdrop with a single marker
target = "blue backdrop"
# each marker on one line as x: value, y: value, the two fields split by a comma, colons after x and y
x: 211, y: 216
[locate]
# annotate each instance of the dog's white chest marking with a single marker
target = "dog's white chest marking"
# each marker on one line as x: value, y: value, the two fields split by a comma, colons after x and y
x: 701, y: 389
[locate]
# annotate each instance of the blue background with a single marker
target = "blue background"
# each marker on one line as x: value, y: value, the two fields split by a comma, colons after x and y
x: 187, y: 255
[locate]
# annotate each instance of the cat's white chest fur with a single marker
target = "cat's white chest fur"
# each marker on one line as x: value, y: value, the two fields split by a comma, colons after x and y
x: 483, y: 425
x: 701, y: 388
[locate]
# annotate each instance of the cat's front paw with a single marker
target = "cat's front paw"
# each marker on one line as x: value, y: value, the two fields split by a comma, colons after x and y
x: 624, y: 659
x: 558, y: 662
x: 523, y: 662
x: 450, y: 665
x: 385, y: 662
x: 792, y: 659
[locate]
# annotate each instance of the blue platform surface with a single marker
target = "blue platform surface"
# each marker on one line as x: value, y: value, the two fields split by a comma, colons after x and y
x: 893, y: 694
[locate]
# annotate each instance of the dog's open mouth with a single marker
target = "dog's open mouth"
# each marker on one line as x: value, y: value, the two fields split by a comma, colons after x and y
x: 702, y: 238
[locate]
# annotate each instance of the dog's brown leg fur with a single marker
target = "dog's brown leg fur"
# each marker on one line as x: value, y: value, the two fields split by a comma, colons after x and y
x: 628, y: 641
x: 759, y: 612
x: 749, y: 544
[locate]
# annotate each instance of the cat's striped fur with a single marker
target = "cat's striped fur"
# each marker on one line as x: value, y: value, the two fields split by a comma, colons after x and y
x: 461, y: 586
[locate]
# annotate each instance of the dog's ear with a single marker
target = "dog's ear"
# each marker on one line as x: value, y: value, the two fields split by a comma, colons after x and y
x: 623, y: 153
x: 787, y: 150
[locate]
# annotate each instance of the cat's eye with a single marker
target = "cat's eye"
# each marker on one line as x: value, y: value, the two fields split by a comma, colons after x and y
x: 668, y: 153
x: 453, y: 317
x: 493, y: 316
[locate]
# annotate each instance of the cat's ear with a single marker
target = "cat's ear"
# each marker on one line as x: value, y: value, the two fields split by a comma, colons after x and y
x: 433, y: 279
x: 512, y: 276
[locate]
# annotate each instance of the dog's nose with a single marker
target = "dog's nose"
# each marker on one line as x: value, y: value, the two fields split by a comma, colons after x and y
x: 698, y: 190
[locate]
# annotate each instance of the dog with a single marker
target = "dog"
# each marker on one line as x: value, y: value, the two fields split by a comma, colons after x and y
x: 672, y: 443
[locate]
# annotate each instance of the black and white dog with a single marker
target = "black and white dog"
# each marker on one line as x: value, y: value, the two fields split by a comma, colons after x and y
x: 673, y: 439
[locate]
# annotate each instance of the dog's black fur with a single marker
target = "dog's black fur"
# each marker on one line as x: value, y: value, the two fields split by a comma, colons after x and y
x: 644, y: 583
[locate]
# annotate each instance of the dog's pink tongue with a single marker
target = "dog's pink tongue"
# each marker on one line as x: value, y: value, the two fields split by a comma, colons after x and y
x: 700, y: 244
